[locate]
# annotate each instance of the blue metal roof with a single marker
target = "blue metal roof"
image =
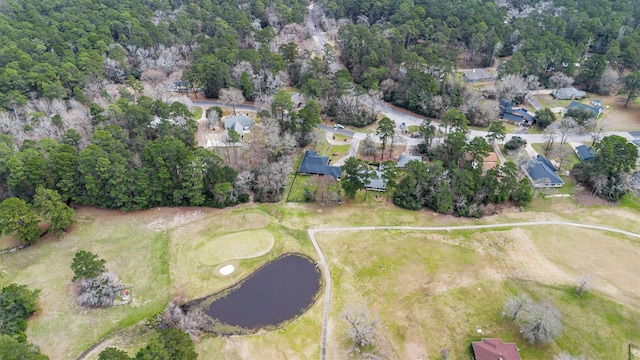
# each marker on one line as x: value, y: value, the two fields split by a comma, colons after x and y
x: 512, y: 117
x: 596, y: 110
x: 541, y: 170
x: 584, y: 153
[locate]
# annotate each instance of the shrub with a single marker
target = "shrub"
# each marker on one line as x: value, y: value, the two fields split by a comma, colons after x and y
x: 515, y: 143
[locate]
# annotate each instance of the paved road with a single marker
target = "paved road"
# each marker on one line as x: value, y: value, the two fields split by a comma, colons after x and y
x: 327, y: 276
x: 227, y: 105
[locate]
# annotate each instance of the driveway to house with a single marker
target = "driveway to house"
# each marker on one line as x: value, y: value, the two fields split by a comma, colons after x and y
x: 322, y: 263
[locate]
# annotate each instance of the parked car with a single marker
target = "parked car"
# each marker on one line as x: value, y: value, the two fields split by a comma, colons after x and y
x: 338, y: 126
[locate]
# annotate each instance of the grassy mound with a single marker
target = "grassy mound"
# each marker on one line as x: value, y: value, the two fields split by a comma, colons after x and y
x: 240, y: 245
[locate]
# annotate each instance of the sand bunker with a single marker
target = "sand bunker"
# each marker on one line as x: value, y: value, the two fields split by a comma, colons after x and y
x: 226, y: 270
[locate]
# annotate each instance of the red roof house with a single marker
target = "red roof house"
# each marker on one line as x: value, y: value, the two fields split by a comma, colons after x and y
x: 494, y: 349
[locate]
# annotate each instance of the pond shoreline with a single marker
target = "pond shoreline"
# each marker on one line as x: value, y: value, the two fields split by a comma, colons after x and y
x: 291, y: 280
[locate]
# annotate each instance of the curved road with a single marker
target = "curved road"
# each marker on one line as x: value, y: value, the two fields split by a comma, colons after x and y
x: 325, y: 266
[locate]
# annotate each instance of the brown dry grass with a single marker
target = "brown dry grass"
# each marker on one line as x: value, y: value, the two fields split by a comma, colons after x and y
x: 434, y: 290
x: 423, y: 286
x: 618, y: 117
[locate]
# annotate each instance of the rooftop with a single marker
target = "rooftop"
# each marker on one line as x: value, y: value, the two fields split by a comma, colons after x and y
x: 237, y: 121
x: 478, y: 75
x: 596, y: 110
x: 495, y: 349
x: 542, y: 173
x: 318, y: 165
x: 568, y: 93
x: 403, y: 160
x: 584, y: 153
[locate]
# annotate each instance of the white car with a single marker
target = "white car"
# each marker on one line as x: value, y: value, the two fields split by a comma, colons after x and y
x: 338, y: 126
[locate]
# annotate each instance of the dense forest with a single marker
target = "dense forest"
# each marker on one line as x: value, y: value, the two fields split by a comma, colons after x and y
x: 409, y: 49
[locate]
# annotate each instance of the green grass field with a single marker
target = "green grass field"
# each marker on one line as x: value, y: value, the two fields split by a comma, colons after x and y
x: 197, y: 112
x: 430, y: 290
x: 433, y: 291
x: 240, y: 245
x: 136, y: 254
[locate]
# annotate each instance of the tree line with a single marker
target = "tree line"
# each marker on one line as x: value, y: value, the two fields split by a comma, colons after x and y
x: 54, y: 49
x: 409, y: 50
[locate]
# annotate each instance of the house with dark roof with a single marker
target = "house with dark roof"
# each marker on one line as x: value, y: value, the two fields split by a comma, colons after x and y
x: 596, y: 110
x: 514, y: 115
x: 478, y: 75
x: 584, y: 153
x: 494, y: 349
x: 568, y: 93
x: 403, y: 160
x: 542, y: 173
x: 312, y: 164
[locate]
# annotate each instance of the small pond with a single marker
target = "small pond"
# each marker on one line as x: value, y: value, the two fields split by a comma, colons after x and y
x: 277, y: 292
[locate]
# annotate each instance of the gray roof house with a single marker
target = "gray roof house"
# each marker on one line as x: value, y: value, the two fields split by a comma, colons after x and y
x: 478, y: 75
x: 376, y: 183
x: 403, y: 160
x: 596, y: 110
x: 542, y: 173
x: 568, y: 93
x: 312, y: 164
x: 239, y: 123
x: 584, y: 153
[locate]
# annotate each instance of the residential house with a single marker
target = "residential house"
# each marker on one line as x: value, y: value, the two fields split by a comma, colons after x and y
x: 312, y: 164
x: 494, y: 349
x: 376, y: 183
x: 239, y: 123
x: 596, y: 110
x: 514, y: 115
x: 542, y: 173
x: 584, y: 153
x: 478, y: 75
x: 568, y: 93
x: 403, y: 160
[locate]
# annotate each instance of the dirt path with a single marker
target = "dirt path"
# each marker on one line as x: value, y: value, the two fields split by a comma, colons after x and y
x: 325, y: 266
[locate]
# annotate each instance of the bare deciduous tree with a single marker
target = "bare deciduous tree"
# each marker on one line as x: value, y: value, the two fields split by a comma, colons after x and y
x: 515, y: 305
x: 560, y: 80
x: 608, y: 81
x: 362, y: 325
x: 213, y: 118
x: 368, y: 147
x: 153, y: 76
x: 232, y: 96
x: 271, y: 179
x: 583, y: 284
x: 562, y: 153
x: 192, y: 321
x: 541, y: 323
x: 512, y: 86
x: 99, y: 291
x: 477, y: 109
x: 565, y: 127
x: 276, y: 144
